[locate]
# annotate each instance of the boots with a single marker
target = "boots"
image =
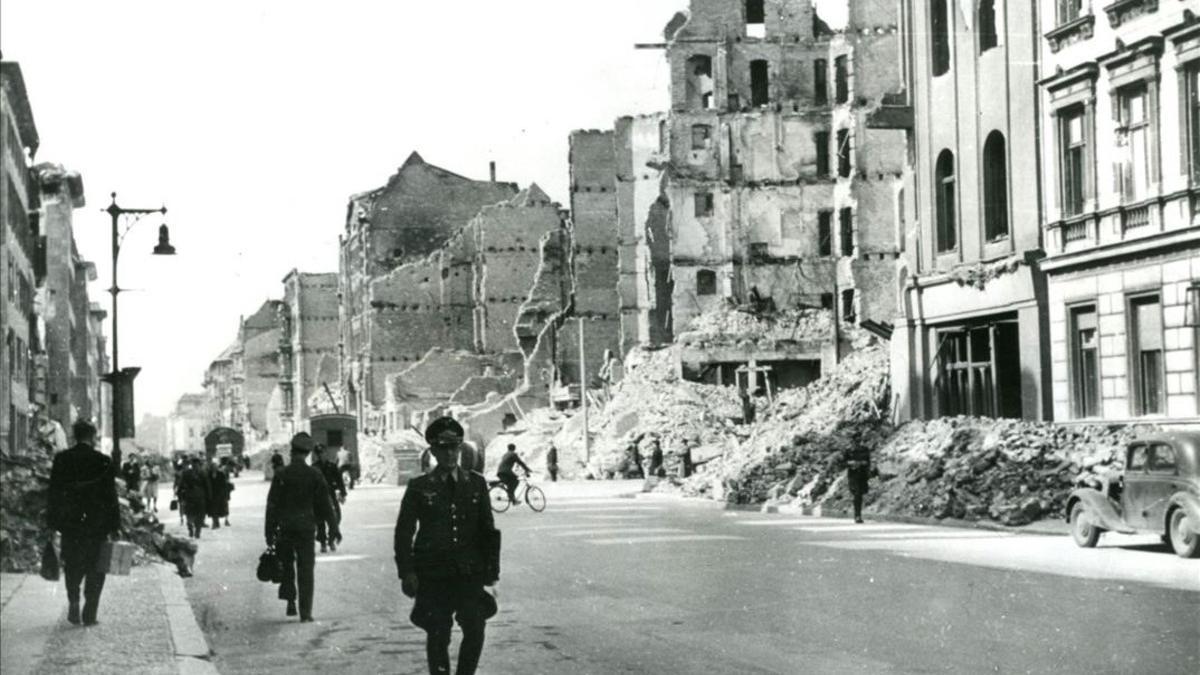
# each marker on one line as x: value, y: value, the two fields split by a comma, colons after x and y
x: 73, y: 612
x: 291, y: 608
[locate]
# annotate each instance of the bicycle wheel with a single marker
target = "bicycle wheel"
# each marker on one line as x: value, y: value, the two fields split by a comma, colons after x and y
x: 499, y: 498
x: 535, y: 498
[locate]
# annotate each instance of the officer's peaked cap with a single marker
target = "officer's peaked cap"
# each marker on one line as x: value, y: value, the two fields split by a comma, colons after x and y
x: 441, y: 426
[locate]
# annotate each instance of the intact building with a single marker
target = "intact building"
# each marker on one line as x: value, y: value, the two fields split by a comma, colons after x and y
x: 970, y: 337
x: 18, y: 253
x: 1120, y: 148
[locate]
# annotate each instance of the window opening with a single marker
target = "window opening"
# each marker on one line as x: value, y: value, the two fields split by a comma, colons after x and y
x: 987, y: 25
x: 841, y: 80
x: 827, y: 301
x: 1133, y: 143
x: 820, y: 82
x: 701, y: 136
x: 704, y: 204
x: 1085, y: 358
x: 825, y: 233
x: 1069, y: 10
x: 755, y: 19
x: 760, y: 88
x: 1137, y: 458
x: 995, y: 187
x: 821, y: 141
x: 700, y: 82
x: 706, y: 282
x: 947, y: 224
x: 843, y: 141
x: 940, y: 40
x: 1192, y: 115
x: 1072, y: 160
x: 848, y: 315
x: 1162, y: 459
x: 846, y: 230
x: 1146, y: 350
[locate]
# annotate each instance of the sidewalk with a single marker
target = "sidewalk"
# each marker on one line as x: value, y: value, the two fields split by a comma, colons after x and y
x: 145, y: 626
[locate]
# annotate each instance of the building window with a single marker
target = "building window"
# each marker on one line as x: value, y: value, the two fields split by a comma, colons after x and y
x: 841, y: 80
x: 821, y: 141
x: 846, y: 232
x: 703, y: 204
x: 1085, y: 362
x: 1133, y: 140
x: 947, y: 222
x: 706, y: 282
x: 820, y: 82
x: 755, y: 19
x: 1191, y: 85
x: 995, y: 187
x: 1146, y: 354
x: 760, y: 88
x: 663, y: 137
x: 843, y: 143
x: 1072, y: 161
x: 848, y: 314
x: 901, y: 222
x: 987, y: 25
x: 700, y: 82
x: 827, y: 301
x: 701, y: 136
x: 1069, y: 10
x: 825, y: 233
x: 940, y: 40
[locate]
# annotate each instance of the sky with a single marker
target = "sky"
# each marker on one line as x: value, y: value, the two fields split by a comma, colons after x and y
x: 253, y: 121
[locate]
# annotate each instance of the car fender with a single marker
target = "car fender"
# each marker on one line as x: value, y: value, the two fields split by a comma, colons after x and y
x: 1188, y: 502
x: 1106, y: 513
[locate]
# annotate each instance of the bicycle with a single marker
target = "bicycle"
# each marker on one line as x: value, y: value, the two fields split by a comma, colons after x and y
x: 530, y: 494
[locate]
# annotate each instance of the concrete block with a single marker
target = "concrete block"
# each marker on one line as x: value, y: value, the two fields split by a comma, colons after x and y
x: 1112, y: 345
x: 1178, y: 338
x: 1181, y: 406
x: 1173, y: 316
x: 1143, y: 277
x: 1112, y: 324
x: 1176, y: 270
x: 1114, y: 282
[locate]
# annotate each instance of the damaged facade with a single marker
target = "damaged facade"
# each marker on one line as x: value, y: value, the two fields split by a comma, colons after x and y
x: 781, y: 189
x: 970, y: 334
x: 308, y: 341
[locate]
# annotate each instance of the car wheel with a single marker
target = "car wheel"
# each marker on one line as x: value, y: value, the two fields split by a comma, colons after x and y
x: 1185, y: 542
x: 1083, y: 530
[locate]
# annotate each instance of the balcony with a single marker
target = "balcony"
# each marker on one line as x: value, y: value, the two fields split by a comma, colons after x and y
x: 1074, y: 231
x: 1135, y: 217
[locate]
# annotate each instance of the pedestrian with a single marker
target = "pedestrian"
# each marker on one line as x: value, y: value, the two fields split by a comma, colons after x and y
x: 274, y: 466
x: 685, y: 460
x: 297, y: 501
x: 747, y: 407
x: 552, y: 463
x: 195, y: 492
x: 220, y: 487
x: 337, y: 496
x: 345, y: 463
x: 506, y: 471
x: 455, y: 553
x: 858, y: 471
x: 180, y: 466
x: 635, y: 461
x: 132, y: 472
x: 82, y: 505
x: 150, y: 486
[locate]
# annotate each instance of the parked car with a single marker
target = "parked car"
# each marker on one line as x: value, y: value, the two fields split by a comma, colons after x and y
x: 1158, y: 491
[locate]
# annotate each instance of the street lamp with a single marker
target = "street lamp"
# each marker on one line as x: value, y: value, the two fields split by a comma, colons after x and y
x: 121, y: 381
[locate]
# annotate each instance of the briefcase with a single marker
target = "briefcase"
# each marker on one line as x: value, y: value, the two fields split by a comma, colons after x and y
x: 116, y: 557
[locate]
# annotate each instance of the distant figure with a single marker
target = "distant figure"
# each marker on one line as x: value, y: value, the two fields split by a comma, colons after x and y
x: 345, y: 464
x: 194, y: 495
x: 273, y: 466
x: 858, y: 471
x: 297, y: 501
x: 132, y: 472
x: 685, y: 460
x: 747, y: 408
x: 324, y: 462
x: 219, y: 489
x: 82, y: 505
x: 505, y: 472
x: 552, y: 463
x: 634, y: 455
x: 150, y: 486
x: 656, y: 460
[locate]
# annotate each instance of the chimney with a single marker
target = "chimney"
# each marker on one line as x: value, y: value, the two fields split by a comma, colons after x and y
x: 492, y: 171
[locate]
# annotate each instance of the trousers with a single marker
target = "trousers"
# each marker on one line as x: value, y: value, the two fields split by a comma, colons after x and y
x: 80, y: 555
x: 439, y: 603
x: 322, y: 533
x: 298, y: 556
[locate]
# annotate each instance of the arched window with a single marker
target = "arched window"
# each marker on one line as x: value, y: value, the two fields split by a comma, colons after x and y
x: 995, y: 187
x: 706, y: 282
x: 987, y: 25
x: 947, y: 222
x: 940, y: 39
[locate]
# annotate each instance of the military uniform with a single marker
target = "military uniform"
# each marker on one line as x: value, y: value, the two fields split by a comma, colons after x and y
x: 82, y: 505
x: 298, y: 499
x: 454, y: 555
x: 337, y: 488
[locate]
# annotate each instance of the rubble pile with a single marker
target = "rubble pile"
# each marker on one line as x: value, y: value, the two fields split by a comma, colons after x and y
x: 795, y: 447
x: 533, y: 435
x: 1009, y: 471
x: 733, y: 325
x: 377, y: 457
x: 26, y: 480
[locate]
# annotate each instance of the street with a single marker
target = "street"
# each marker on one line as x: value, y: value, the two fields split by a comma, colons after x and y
x: 600, y: 583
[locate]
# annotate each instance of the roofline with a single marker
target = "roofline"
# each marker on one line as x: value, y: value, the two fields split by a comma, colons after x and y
x: 13, y: 79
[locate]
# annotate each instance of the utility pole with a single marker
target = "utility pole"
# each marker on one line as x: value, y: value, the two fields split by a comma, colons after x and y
x: 583, y: 402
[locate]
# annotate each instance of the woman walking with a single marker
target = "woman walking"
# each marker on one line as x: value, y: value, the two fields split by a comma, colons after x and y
x: 150, y: 486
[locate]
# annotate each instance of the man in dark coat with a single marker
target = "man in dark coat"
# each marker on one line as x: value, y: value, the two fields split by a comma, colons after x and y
x: 858, y: 468
x: 195, y: 491
x: 298, y: 499
x: 552, y: 463
x: 327, y: 464
x: 506, y: 471
x: 82, y: 505
x: 132, y: 473
x: 218, y: 504
x: 456, y: 552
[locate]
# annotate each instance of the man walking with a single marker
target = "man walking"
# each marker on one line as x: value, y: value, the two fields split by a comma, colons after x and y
x: 456, y: 552
x: 297, y: 500
x: 195, y: 492
x: 337, y: 495
x: 83, y: 507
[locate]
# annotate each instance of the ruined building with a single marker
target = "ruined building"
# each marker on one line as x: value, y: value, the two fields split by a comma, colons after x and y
x: 308, y: 339
x: 258, y: 361
x: 780, y: 181
x: 406, y: 220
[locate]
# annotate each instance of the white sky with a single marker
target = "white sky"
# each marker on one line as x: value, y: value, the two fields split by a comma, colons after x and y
x: 253, y: 121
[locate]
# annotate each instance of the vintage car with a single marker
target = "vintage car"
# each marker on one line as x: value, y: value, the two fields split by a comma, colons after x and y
x: 1158, y: 491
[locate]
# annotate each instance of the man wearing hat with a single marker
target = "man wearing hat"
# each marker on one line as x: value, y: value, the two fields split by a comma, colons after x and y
x: 456, y: 552
x: 297, y: 501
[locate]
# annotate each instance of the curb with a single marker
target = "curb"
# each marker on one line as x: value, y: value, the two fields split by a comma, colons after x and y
x: 192, y: 653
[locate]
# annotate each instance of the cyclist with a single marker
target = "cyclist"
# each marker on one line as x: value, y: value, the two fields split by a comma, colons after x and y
x: 506, y: 474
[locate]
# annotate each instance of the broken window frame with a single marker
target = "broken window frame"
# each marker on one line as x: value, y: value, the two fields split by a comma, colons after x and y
x: 701, y: 136
x: 841, y: 79
x: 1069, y: 10
x: 968, y: 382
x: 700, y: 92
x: 843, y: 143
x: 849, y: 300
x: 703, y: 204
x: 846, y: 231
x: 825, y: 233
x: 1085, y: 360
x: 706, y: 282
x: 1073, y: 159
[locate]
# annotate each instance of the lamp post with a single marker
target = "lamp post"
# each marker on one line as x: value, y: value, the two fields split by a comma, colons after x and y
x: 119, y: 379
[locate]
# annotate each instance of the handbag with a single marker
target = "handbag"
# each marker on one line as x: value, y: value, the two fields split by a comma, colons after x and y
x: 49, y: 570
x: 270, y: 569
x: 174, y: 505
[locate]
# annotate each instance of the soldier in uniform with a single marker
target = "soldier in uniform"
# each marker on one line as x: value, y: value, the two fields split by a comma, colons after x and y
x: 298, y: 499
x: 456, y: 552
x: 337, y: 494
x: 82, y: 505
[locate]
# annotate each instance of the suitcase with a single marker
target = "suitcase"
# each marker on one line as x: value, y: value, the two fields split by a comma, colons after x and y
x: 116, y: 557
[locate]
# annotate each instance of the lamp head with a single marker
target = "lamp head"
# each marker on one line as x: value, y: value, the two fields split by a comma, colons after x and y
x: 164, y: 246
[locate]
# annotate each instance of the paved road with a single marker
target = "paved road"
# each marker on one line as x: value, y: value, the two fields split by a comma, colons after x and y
x: 600, y: 584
